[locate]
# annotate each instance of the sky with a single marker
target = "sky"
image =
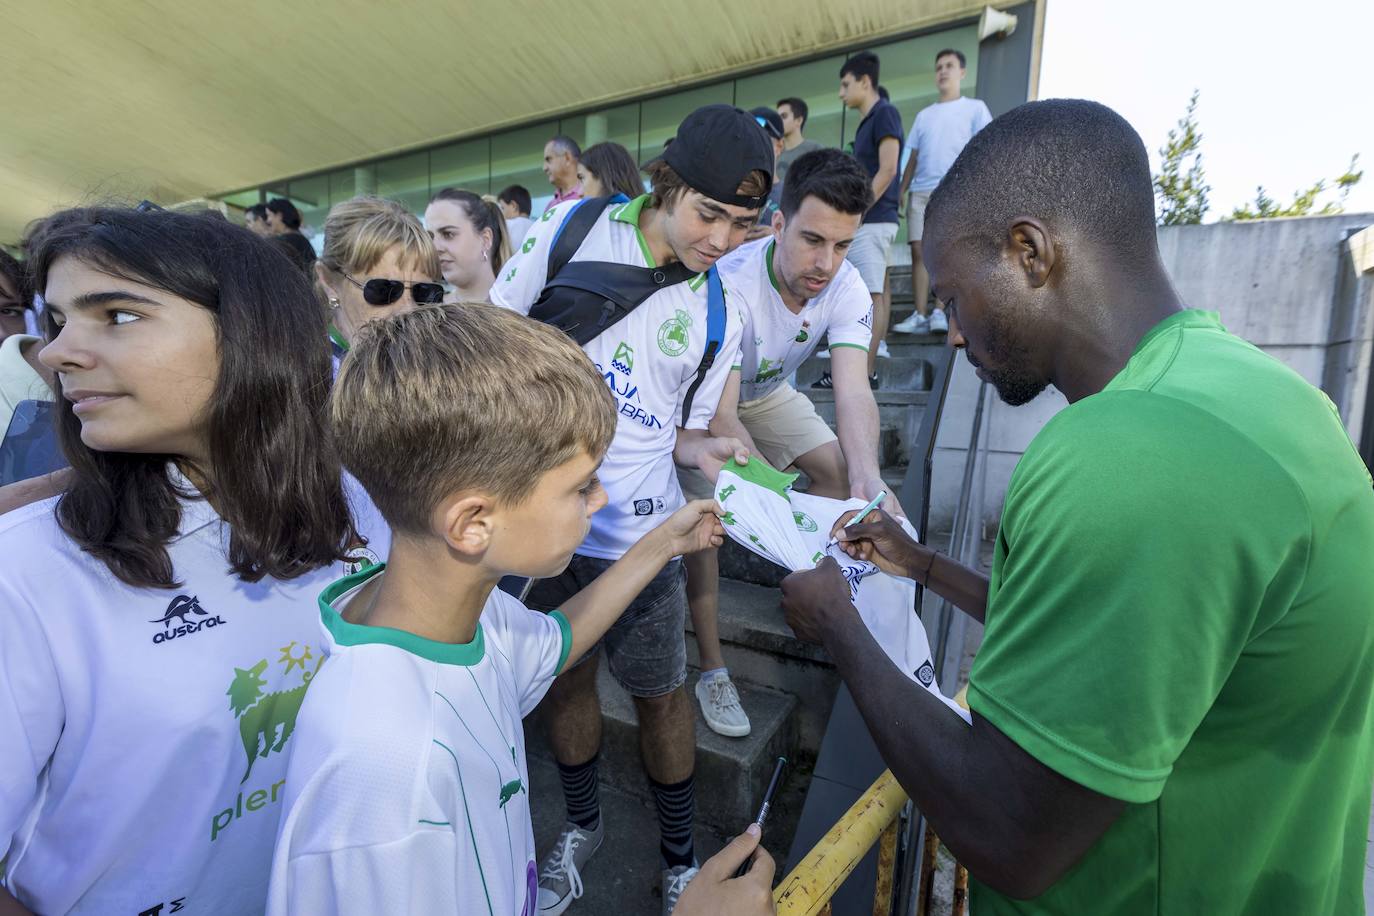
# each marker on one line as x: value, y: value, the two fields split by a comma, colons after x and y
x: 1286, y: 92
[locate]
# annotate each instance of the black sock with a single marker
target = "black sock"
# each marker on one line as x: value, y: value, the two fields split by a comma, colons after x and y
x: 676, y: 804
x: 580, y: 793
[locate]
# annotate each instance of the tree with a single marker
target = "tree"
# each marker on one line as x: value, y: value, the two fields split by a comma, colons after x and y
x: 1304, y: 202
x: 1181, y: 187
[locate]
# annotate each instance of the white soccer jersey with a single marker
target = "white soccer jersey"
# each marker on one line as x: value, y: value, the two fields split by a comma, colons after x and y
x: 778, y: 340
x: 146, y: 731
x: 649, y: 359
x: 407, y: 790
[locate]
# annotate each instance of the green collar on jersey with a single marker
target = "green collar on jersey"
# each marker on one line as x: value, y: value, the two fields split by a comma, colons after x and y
x: 629, y: 213
x: 338, y: 338
x: 357, y: 634
x: 761, y: 475
x: 768, y: 259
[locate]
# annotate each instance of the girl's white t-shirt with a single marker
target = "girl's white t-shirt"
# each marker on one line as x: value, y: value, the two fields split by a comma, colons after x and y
x: 146, y: 731
x: 408, y: 790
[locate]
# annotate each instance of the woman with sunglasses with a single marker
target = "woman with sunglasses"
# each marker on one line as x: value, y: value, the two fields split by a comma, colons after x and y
x: 377, y: 261
x: 158, y: 618
x: 470, y: 235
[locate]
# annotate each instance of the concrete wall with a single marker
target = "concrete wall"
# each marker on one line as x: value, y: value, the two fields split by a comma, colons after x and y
x: 1301, y: 289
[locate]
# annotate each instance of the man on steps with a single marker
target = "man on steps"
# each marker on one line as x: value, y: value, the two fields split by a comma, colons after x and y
x: 707, y: 190
x: 793, y: 288
x: 939, y: 133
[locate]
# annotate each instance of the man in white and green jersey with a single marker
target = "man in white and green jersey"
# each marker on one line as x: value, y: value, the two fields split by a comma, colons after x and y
x: 795, y: 287
x: 707, y: 191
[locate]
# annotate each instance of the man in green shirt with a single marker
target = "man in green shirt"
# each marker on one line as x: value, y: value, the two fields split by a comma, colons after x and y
x: 1172, y: 701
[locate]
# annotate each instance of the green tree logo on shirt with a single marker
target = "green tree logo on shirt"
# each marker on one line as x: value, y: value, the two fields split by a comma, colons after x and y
x: 266, y: 720
x: 768, y: 370
x: 672, y: 334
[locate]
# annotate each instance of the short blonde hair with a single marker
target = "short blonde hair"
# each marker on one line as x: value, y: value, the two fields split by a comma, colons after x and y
x: 455, y: 397
x: 359, y: 232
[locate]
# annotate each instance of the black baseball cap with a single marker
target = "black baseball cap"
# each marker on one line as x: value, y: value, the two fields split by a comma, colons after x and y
x: 769, y: 120
x: 715, y: 149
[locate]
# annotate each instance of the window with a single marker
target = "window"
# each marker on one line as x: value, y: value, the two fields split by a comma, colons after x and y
x: 405, y: 180
x: 311, y: 197
x: 464, y: 165
x: 659, y: 118
x: 817, y: 83
x: 617, y: 125
x: 517, y: 157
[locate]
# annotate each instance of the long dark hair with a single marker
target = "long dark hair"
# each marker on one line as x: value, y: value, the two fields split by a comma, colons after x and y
x: 274, y: 475
x: 483, y: 214
x: 614, y: 167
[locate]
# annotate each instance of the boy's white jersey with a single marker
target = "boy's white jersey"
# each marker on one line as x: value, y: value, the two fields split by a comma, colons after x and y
x: 407, y: 790
x: 649, y: 359
x: 778, y: 340
x: 146, y: 730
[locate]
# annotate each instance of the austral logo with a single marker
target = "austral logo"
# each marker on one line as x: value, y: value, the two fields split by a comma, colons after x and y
x: 188, y: 616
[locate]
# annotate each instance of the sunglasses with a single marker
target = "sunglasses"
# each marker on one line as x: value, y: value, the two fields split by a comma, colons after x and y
x: 385, y: 292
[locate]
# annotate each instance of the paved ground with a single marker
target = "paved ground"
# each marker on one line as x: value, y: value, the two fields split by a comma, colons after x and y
x: 623, y: 877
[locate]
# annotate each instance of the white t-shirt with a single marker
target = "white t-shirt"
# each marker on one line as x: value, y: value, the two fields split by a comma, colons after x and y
x: 18, y: 380
x: 407, y: 790
x: 939, y: 134
x: 774, y: 343
x: 146, y: 731
x: 517, y: 227
x: 649, y: 359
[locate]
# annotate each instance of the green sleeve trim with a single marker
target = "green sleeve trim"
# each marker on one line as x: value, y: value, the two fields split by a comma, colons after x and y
x: 565, y: 628
x: 736, y: 367
x: 761, y: 475
x: 853, y: 346
x: 1129, y: 784
x: 337, y: 336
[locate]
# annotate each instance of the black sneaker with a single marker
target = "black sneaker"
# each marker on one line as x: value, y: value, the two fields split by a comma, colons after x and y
x: 873, y: 381
x: 825, y: 381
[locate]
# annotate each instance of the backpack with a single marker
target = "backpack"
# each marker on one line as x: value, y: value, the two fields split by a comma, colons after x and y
x: 583, y: 299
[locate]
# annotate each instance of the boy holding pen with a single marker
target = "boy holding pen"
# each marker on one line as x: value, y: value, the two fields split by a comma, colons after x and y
x: 477, y: 433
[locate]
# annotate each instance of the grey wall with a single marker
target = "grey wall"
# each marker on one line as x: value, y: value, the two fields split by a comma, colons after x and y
x: 1301, y: 289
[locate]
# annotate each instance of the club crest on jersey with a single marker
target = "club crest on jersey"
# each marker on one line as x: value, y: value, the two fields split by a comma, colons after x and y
x: 183, y: 617
x: 359, y: 558
x: 804, y: 521
x: 655, y: 506
x: 672, y: 334
x: 624, y: 359
x: 926, y: 673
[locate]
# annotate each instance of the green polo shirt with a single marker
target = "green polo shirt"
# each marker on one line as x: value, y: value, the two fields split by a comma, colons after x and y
x: 1181, y: 616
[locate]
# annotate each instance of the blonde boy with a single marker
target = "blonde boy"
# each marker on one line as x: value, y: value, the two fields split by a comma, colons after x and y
x: 477, y: 433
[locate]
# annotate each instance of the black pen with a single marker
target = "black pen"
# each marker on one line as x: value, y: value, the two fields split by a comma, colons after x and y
x: 763, y: 808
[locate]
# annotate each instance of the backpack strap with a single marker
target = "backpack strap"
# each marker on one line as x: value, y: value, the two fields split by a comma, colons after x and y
x: 581, y: 219
x: 715, y: 337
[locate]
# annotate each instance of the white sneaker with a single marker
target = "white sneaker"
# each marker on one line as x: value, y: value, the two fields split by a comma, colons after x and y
x: 883, y: 352
x: 560, y: 876
x: 939, y: 324
x: 675, y: 881
x: 721, y: 707
x: 916, y: 323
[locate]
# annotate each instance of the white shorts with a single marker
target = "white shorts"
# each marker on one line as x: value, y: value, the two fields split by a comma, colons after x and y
x: 870, y: 253
x: 916, y: 214
x: 784, y: 426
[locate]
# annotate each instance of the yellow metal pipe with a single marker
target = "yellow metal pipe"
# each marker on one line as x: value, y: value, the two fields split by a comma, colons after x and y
x: 887, y: 867
x: 808, y: 888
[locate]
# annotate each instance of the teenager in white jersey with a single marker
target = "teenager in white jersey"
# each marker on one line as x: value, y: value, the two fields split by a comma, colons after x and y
x: 939, y: 133
x: 794, y: 288
x: 707, y: 190
x: 155, y: 645
x: 378, y: 260
x: 408, y: 787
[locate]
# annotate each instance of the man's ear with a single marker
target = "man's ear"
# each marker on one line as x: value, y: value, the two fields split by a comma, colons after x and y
x: 1033, y: 249
x: 779, y: 223
x: 465, y: 523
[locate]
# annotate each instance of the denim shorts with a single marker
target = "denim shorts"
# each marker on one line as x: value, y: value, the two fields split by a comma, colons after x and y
x: 646, y: 648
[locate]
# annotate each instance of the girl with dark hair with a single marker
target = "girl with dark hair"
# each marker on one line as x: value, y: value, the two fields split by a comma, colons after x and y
x: 470, y: 235
x: 158, y: 620
x: 608, y: 168
x: 22, y: 376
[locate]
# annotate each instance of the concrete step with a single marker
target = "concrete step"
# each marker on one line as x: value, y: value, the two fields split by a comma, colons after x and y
x: 761, y: 650
x: 902, y: 409
x: 731, y: 773
x: 906, y: 373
